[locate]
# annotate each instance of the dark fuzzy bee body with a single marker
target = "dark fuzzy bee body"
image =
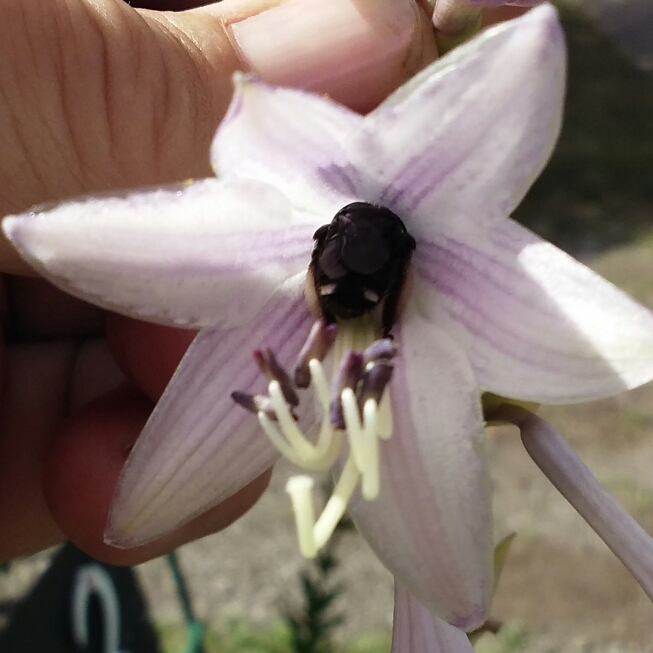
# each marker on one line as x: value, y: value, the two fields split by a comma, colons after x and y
x: 360, y: 261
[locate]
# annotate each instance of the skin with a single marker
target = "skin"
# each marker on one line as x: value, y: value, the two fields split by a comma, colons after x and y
x: 81, y: 110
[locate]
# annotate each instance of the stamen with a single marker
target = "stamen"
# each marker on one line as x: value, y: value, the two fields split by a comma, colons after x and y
x: 320, y: 339
x: 320, y: 384
x: 314, y: 535
x: 277, y: 439
x: 300, y: 489
x: 254, y: 403
x: 337, y: 503
x: 355, y: 405
x: 270, y: 367
x: 383, y: 349
x: 384, y: 418
x: 290, y: 441
x: 354, y: 428
x: 296, y: 438
x: 375, y: 379
x: 370, y: 485
x: 326, y: 452
x: 363, y: 442
x: 348, y: 375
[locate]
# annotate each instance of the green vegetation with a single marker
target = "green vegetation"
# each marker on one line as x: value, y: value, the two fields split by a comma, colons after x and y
x: 312, y: 624
x: 236, y: 636
x: 510, y: 639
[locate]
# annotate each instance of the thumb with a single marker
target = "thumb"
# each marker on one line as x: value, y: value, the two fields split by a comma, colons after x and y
x: 99, y: 95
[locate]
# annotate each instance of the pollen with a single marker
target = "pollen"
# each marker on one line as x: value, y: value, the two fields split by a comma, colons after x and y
x: 356, y: 415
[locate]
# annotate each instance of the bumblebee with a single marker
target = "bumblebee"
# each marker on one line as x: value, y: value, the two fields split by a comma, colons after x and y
x: 359, y: 262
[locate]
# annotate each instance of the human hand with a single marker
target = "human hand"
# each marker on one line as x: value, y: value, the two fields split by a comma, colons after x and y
x: 99, y: 95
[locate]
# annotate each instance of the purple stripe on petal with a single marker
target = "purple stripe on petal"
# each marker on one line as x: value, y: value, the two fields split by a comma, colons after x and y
x: 290, y: 139
x: 536, y: 324
x: 453, y: 264
x: 344, y: 177
x: 424, y: 173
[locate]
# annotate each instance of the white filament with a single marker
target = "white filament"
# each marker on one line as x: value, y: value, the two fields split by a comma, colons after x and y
x: 300, y: 489
x: 313, y: 535
x: 370, y: 485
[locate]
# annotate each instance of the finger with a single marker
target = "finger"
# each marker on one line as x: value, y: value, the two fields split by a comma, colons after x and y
x: 42, y: 382
x: 82, y: 470
x: 33, y: 402
x: 357, y: 51
x: 98, y: 95
x: 148, y: 354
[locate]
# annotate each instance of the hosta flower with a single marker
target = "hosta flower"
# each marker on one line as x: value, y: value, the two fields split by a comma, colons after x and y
x: 401, y: 217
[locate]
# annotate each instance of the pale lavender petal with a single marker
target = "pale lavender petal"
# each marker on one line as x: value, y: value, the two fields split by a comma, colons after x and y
x: 536, y: 324
x: 416, y: 630
x: 195, y: 255
x: 465, y: 139
x: 559, y: 462
x: 291, y: 139
x: 199, y: 447
x: 431, y: 524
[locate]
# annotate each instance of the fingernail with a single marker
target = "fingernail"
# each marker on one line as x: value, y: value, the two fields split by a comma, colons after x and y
x: 354, y: 50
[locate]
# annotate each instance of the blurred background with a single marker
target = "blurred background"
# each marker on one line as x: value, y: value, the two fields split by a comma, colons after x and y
x: 562, y: 591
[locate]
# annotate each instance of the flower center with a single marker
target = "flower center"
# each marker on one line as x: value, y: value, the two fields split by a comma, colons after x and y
x: 355, y: 409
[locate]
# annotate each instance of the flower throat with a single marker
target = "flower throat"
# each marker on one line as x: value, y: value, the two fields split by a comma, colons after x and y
x: 355, y: 281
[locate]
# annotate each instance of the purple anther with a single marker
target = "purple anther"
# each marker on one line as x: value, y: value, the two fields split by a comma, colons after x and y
x: 319, y: 341
x: 384, y: 349
x: 273, y: 371
x: 348, y: 375
x: 373, y: 384
x: 254, y: 403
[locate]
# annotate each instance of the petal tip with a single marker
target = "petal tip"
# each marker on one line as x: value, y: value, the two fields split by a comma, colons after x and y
x: 536, y: 30
x: 473, y: 619
x: 124, y: 532
x: 19, y: 231
x: 544, y: 20
x: 11, y: 227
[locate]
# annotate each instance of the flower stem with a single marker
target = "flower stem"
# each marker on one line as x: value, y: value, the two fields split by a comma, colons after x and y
x: 571, y: 477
